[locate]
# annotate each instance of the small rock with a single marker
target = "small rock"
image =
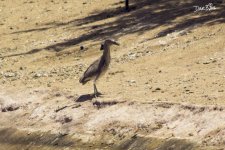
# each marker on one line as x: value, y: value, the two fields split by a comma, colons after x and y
x: 214, y: 61
x: 64, y: 119
x: 37, y: 75
x: 161, y: 42
x: 158, y: 89
x: 206, y: 62
x: 188, y: 41
x: 132, y: 81
x: 182, y: 33
x: 132, y: 56
x: 58, y: 94
x: 190, y: 134
x: 40, y: 74
x: 9, y: 74
x: 110, y: 142
x: 11, y: 107
x: 81, y: 47
x: 48, y: 85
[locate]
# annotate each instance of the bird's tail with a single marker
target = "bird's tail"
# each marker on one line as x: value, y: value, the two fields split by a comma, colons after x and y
x: 83, y: 80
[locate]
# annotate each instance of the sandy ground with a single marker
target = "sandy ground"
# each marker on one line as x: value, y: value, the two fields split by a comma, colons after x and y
x: 166, y: 79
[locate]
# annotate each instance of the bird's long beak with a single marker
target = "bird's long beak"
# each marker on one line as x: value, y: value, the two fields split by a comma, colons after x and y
x: 116, y: 43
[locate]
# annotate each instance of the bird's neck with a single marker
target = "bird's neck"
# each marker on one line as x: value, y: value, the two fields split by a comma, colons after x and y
x: 106, y: 53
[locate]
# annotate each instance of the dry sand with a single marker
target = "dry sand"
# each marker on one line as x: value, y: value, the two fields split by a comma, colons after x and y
x: 166, y: 79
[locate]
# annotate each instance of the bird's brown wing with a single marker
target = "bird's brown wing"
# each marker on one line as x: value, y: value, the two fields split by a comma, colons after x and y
x: 91, y: 71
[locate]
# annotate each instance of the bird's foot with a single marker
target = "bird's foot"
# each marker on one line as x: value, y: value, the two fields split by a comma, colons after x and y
x: 97, y: 94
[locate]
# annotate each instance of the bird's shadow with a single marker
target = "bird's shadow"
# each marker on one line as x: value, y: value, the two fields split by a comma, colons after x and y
x: 87, y: 97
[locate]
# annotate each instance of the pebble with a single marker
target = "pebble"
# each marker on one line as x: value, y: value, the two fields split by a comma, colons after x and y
x: 9, y: 74
x: 38, y: 75
x: 11, y: 107
x: 21, y: 68
x: 158, y: 89
x: 131, y: 81
x: 49, y: 85
x: 190, y: 134
x: 206, y: 62
x: 64, y: 119
x: 132, y: 56
x: 81, y: 47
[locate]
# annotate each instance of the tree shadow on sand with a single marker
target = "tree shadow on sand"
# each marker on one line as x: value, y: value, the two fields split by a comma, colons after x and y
x: 13, y: 137
x: 145, y: 15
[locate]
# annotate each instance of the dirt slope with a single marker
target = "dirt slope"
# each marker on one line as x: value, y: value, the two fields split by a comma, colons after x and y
x: 166, y: 79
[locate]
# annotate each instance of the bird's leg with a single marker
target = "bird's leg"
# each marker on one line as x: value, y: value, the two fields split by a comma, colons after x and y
x: 96, y: 93
x: 95, y: 90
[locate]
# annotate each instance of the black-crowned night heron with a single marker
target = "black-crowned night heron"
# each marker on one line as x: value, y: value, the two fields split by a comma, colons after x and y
x: 99, y: 67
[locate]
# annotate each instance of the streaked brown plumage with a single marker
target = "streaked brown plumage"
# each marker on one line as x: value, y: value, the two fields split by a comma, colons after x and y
x: 98, y: 67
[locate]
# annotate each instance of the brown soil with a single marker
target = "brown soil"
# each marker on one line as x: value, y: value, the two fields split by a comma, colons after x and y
x: 166, y: 80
